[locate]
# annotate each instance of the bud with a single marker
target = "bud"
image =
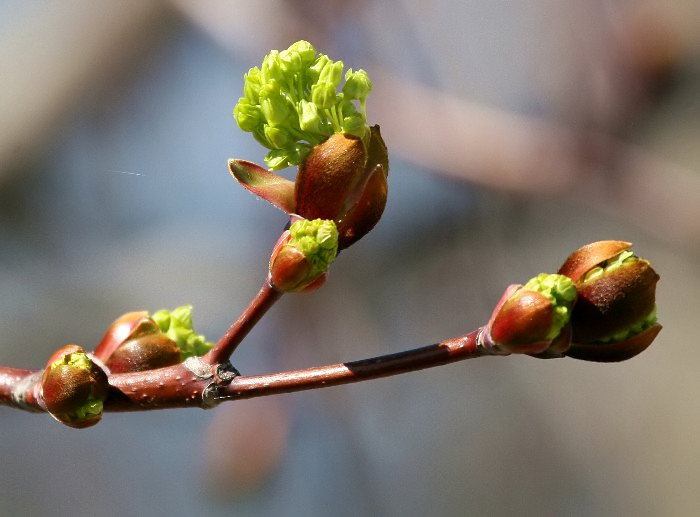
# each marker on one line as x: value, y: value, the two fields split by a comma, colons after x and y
x: 271, y: 69
x: 345, y: 181
x: 304, y: 50
x: 303, y: 255
x: 528, y: 319
x: 309, y: 117
x: 323, y: 94
x: 277, y: 136
x: 274, y: 107
x: 292, y: 107
x: 124, y: 327
x: 357, y: 84
x: 74, y: 387
x: 280, y: 94
x: 177, y: 325
x: 248, y: 116
x: 144, y: 352
x: 615, y: 316
x: 137, y: 341
x: 251, y: 85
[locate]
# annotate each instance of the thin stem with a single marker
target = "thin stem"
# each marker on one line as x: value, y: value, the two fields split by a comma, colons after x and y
x: 9, y: 379
x: 222, y: 350
x: 177, y: 387
x: 448, y: 351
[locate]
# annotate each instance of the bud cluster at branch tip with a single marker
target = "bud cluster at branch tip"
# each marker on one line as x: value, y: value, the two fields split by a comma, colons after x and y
x: 615, y: 316
x: 600, y: 307
x: 303, y: 254
x: 292, y: 107
x: 291, y: 103
x: 74, y: 387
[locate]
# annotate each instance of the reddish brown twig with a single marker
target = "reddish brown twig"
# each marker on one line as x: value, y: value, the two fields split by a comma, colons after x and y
x: 448, y: 351
x: 197, y: 384
x: 222, y: 350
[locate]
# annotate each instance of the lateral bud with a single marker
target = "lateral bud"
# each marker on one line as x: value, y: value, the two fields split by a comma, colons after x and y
x: 303, y: 254
x: 74, y: 387
x: 532, y: 318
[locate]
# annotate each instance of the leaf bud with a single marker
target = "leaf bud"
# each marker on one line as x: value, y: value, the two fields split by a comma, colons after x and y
x: 122, y: 329
x: 137, y: 341
x: 342, y: 180
x: 528, y: 319
x: 615, y: 316
x: 74, y: 387
x: 303, y: 255
x: 177, y: 325
x: 144, y: 352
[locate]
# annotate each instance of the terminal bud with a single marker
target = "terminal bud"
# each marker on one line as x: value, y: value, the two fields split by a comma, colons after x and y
x: 615, y: 316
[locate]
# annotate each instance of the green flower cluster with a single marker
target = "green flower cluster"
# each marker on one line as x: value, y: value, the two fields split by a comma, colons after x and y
x: 561, y: 291
x: 317, y: 240
x: 292, y: 103
x: 177, y: 325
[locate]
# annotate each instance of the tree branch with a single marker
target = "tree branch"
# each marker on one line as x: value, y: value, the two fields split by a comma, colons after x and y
x: 195, y: 383
x: 448, y: 351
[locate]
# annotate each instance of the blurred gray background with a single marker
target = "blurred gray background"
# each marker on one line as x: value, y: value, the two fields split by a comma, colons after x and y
x: 517, y: 131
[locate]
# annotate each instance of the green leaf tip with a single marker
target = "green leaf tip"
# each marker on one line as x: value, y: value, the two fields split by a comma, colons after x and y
x: 611, y: 265
x: 607, y: 267
x: 645, y: 323
x: 561, y: 291
x: 90, y: 409
x: 294, y: 101
x: 177, y: 325
x: 317, y: 240
x: 78, y: 359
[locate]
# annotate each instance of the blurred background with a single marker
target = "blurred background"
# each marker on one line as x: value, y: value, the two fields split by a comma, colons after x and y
x: 517, y: 131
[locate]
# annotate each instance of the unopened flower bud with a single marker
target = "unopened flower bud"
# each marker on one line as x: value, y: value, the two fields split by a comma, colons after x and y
x: 277, y: 136
x: 357, y: 84
x: 528, y: 319
x: 274, y: 106
x: 74, y: 387
x: 303, y: 255
x: 615, y: 317
x: 251, y: 86
x: 271, y: 69
x: 323, y: 94
x: 248, y: 116
x: 309, y: 117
